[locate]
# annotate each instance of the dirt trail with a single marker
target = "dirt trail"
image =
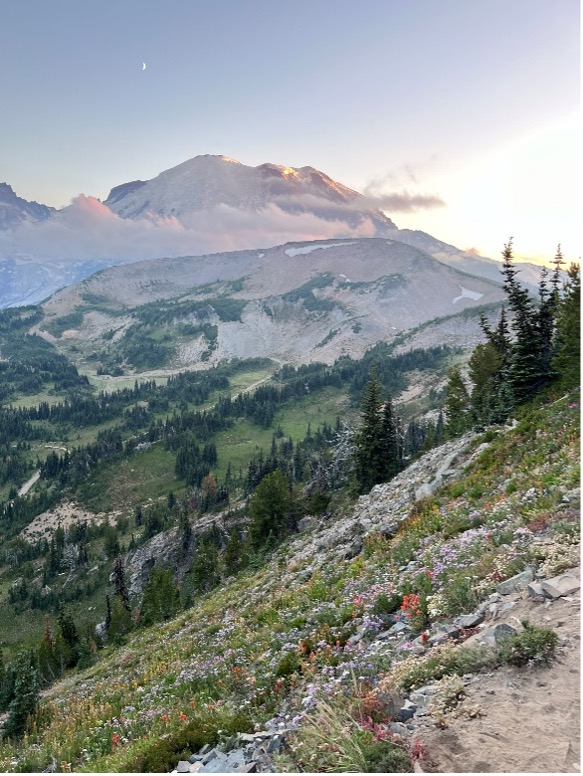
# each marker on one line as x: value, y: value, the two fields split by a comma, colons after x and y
x: 29, y: 483
x: 531, y: 716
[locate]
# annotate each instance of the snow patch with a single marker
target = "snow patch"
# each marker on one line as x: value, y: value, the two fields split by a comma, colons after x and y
x: 309, y: 248
x: 466, y: 293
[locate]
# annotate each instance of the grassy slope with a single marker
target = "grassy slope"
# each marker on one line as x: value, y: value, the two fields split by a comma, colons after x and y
x: 255, y: 647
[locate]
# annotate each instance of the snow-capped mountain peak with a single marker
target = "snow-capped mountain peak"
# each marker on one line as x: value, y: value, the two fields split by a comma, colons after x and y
x: 210, y: 181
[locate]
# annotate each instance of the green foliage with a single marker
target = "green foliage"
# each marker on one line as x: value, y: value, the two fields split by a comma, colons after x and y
x: 377, y: 450
x: 236, y: 557
x: 567, y: 359
x: 443, y: 662
x: 161, y: 599
x: 387, y: 605
x: 533, y: 646
x: 26, y: 695
x: 161, y: 755
x: 121, y: 623
x: 386, y: 757
x: 270, y: 510
x: 205, y: 572
x: 457, y: 404
x: 71, y: 321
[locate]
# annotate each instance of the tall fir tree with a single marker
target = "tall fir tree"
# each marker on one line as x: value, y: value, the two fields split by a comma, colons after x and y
x: 457, y: 404
x: 526, y: 372
x: 567, y: 357
x: 26, y: 695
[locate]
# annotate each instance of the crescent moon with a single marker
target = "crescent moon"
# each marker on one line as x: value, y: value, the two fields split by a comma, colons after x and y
x: 143, y: 65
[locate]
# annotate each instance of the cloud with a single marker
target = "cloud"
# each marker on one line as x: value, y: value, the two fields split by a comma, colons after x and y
x: 87, y: 230
x: 404, y: 201
x: 401, y: 201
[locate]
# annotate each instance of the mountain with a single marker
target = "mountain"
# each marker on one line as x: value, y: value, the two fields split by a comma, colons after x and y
x: 298, y: 302
x: 14, y: 210
x: 207, y: 182
x: 204, y: 205
x: 467, y: 262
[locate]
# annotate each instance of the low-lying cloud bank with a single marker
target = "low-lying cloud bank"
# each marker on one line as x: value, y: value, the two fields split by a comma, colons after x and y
x: 88, y: 230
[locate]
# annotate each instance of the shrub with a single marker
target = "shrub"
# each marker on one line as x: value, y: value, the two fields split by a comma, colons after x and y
x: 385, y: 604
x: 386, y: 757
x: 533, y: 646
x: 161, y: 755
x: 441, y: 661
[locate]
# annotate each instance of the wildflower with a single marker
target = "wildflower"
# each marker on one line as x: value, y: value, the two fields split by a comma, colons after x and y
x: 183, y: 716
x: 164, y: 717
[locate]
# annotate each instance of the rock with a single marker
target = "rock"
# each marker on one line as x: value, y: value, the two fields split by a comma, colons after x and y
x: 249, y: 768
x: 561, y: 585
x: 218, y: 764
x: 275, y: 745
x: 444, y: 634
x: 354, y: 550
x: 572, y: 496
x: 307, y: 524
x: 398, y: 627
x: 196, y: 767
x: 492, y: 636
x: 209, y: 756
x: 246, y: 737
x: 204, y: 749
x: 470, y: 620
x: 183, y: 767
x: 236, y: 759
x: 398, y: 728
x: 516, y: 583
x: 535, y: 590
x: 383, y: 635
x: 406, y: 711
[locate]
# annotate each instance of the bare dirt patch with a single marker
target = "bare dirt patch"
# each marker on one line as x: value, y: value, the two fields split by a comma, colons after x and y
x: 64, y: 515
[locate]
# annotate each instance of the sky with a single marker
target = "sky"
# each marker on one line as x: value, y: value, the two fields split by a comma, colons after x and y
x: 472, y: 103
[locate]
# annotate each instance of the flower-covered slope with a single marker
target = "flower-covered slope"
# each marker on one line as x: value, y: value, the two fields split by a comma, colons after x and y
x: 324, y: 623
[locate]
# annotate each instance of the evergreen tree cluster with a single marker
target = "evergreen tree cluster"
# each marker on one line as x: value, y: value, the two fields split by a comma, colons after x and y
x: 539, y: 346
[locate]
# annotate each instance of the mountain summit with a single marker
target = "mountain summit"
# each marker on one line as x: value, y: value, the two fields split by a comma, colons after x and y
x: 14, y: 210
x: 208, y: 182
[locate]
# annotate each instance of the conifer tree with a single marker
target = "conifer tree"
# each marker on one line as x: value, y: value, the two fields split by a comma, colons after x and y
x: 526, y: 372
x: 235, y: 553
x: 370, y: 448
x: 26, y: 695
x: 271, y: 509
x: 161, y: 599
x: 378, y: 450
x: 119, y: 582
x: 457, y: 404
x: 567, y: 358
x: 205, y: 572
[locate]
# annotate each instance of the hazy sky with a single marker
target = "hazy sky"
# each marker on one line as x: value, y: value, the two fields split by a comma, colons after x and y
x: 473, y: 101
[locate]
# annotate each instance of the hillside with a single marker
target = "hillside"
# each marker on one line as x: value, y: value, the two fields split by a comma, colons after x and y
x: 326, y: 641
x: 299, y: 302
